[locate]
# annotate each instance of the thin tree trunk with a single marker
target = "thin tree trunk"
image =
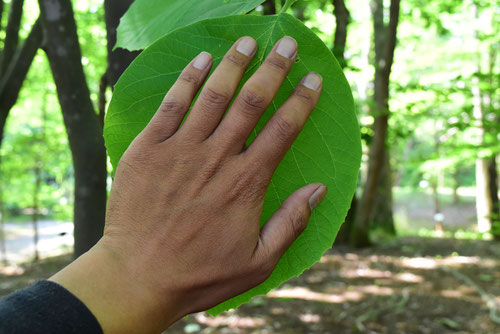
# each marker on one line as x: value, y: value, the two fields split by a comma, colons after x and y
x: 485, y: 201
x: 384, y: 59
x: 492, y: 164
x: 342, y: 18
x: 11, y: 33
x: 3, y: 246
x: 12, y: 80
x: 101, y: 101
x: 36, y: 207
x: 119, y: 59
x: 456, y: 185
x: 82, y: 124
x: 269, y: 7
x: 346, y: 228
x: 493, y: 193
x: 382, y: 213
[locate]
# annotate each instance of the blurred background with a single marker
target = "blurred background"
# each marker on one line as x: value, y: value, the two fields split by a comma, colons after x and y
x: 420, y: 249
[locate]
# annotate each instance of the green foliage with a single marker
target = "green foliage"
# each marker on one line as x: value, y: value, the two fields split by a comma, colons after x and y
x: 328, y: 150
x: 148, y: 20
x: 36, y: 138
x: 24, y: 146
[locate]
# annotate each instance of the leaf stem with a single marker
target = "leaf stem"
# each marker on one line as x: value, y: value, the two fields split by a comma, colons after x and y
x: 287, y: 5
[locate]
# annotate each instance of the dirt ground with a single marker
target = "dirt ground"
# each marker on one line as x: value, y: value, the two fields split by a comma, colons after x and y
x: 410, y: 285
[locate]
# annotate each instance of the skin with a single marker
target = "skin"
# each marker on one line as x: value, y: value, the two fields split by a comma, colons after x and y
x: 182, y: 228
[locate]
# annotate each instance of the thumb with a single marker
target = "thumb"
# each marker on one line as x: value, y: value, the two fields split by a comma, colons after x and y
x: 289, y: 221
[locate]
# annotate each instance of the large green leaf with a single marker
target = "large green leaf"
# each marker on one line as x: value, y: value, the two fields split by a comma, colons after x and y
x: 328, y: 150
x: 148, y: 20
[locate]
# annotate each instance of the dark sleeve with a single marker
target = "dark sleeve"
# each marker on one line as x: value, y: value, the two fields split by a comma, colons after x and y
x: 48, y: 308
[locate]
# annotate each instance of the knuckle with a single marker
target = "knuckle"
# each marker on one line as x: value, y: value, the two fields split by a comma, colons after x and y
x: 190, y: 78
x: 265, y: 270
x: 252, y: 101
x: 212, y: 97
x: 246, y: 190
x: 172, y: 106
x: 296, y: 223
x: 305, y: 97
x: 282, y: 128
x: 277, y: 63
x: 235, y: 60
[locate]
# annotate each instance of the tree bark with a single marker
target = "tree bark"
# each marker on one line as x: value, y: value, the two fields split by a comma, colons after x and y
x: 346, y: 228
x: 3, y: 248
x: 36, y: 208
x: 119, y: 59
x: 384, y: 57
x: 342, y: 19
x: 382, y: 213
x: 493, y: 194
x: 82, y: 124
x: 269, y: 7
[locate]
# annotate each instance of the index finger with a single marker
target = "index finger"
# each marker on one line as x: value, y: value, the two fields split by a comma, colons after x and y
x: 278, y: 135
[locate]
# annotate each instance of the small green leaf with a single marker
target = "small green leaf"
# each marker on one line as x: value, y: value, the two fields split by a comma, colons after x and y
x: 148, y: 20
x: 328, y: 150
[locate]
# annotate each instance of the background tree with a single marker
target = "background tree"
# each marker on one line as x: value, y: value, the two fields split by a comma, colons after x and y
x: 15, y: 59
x: 82, y: 125
x: 378, y: 158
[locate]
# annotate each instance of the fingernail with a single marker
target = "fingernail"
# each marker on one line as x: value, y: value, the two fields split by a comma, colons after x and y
x: 202, y: 60
x: 287, y: 47
x: 317, y: 197
x: 312, y: 81
x: 246, y: 46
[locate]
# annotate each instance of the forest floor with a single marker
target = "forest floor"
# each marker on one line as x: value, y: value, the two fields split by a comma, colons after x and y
x: 409, y: 285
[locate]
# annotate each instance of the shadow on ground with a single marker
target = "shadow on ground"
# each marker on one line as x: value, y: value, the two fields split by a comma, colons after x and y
x: 412, y: 285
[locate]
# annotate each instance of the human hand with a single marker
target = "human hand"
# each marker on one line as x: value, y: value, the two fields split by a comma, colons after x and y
x: 182, y: 228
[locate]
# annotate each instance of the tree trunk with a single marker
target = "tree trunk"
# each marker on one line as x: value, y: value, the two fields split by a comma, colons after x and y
x: 384, y: 57
x: 3, y: 248
x: 346, y: 228
x: 11, y: 33
x: 12, y: 80
x: 382, y: 213
x: 342, y: 18
x: 119, y: 59
x: 484, y: 205
x: 269, y: 7
x: 456, y: 185
x: 493, y: 194
x: 82, y: 124
x: 36, y: 207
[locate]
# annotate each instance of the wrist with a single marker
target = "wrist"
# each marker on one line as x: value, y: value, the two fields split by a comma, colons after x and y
x: 121, y: 301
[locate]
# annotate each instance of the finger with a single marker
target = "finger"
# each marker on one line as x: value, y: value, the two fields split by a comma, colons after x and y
x: 288, y: 222
x: 219, y: 89
x: 278, y: 134
x: 176, y: 103
x: 256, y: 95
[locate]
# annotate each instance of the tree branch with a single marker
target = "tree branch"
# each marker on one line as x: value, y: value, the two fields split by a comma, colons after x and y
x: 15, y: 74
x: 12, y: 81
x: 11, y: 33
x: 342, y: 18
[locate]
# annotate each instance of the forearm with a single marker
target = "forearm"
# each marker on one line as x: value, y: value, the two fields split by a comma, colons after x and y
x: 119, y: 301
